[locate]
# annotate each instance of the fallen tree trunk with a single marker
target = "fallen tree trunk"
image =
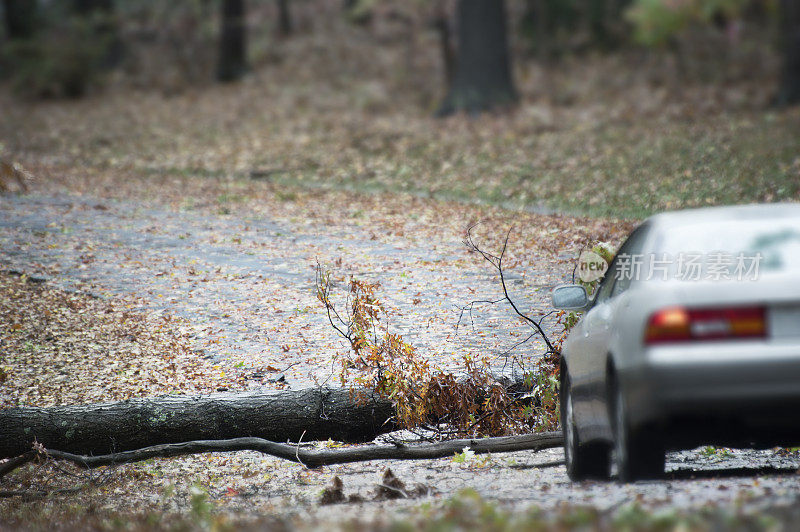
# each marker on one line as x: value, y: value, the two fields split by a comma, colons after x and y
x: 310, y: 414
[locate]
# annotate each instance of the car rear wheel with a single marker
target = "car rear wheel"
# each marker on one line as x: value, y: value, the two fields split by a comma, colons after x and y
x: 638, y: 454
x: 583, y: 461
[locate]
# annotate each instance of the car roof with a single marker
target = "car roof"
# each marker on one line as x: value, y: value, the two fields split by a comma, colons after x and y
x: 761, y: 211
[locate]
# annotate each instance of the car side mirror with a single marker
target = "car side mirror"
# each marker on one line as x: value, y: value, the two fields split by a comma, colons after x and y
x: 570, y: 297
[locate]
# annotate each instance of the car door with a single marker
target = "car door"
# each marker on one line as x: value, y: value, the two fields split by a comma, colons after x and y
x: 592, y: 344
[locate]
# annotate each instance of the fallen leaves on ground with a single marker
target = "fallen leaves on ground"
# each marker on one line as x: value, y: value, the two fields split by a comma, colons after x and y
x: 60, y: 347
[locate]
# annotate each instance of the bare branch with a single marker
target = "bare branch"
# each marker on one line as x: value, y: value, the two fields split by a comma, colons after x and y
x: 313, y: 459
x: 19, y: 461
x: 470, y: 306
x: 38, y: 494
x: 516, y: 345
x: 322, y: 283
x: 497, y: 262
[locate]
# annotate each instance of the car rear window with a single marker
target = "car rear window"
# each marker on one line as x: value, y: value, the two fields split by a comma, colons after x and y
x: 773, y: 243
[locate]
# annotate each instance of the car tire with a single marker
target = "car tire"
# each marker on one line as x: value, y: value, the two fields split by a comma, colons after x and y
x: 638, y: 454
x: 583, y: 461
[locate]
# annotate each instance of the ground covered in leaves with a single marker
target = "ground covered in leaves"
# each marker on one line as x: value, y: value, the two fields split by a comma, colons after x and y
x: 63, y: 347
x: 241, y: 284
x: 169, y: 240
x: 623, y: 134
x: 113, y: 305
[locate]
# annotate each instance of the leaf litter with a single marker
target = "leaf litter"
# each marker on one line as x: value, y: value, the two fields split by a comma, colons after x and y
x: 62, y: 238
x: 342, y: 171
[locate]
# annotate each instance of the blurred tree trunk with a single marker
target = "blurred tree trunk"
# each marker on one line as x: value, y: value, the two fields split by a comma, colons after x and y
x: 20, y: 18
x: 615, y: 26
x: 441, y: 23
x: 285, y: 26
x: 232, y: 51
x: 597, y: 14
x: 483, y: 74
x: 790, y: 29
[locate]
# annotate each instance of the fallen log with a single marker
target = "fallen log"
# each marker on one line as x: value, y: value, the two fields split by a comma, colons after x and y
x: 306, y: 457
x: 107, y: 428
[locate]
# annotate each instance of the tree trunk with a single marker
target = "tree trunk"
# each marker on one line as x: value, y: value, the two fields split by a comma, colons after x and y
x: 483, y: 73
x: 442, y: 26
x: 284, y: 19
x: 789, y: 92
x: 311, y: 414
x: 20, y: 18
x: 596, y: 15
x: 232, y: 50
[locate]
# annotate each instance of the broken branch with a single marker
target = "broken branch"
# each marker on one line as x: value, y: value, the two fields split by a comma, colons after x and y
x: 314, y: 459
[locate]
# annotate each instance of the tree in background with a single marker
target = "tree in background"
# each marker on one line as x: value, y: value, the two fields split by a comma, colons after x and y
x: 60, y: 49
x: 441, y: 23
x: 482, y: 77
x: 232, y: 63
x: 20, y: 18
x: 285, y: 26
x: 789, y: 92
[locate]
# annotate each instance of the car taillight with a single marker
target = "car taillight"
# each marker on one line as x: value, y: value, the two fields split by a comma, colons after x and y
x: 678, y: 324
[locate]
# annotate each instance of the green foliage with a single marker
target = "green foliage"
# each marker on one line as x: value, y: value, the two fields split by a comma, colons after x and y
x: 556, y: 26
x: 717, y: 453
x: 360, y: 11
x: 605, y: 250
x: 470, y: 459
x: 63, y: 62
x: 634, y: 517
x: 468, y: 510
x: 546, y: 410
x: 655, y: 22
x: 202, y: 507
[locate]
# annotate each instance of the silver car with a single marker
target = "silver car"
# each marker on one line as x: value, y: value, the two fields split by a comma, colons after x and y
x: 692, y: 338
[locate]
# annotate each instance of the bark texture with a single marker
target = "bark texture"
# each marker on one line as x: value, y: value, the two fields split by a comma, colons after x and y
x: 311, y: 414
x: 789, y: 93
x: 285, y: 26
x: 20, y: 18
x: 483, y: 72
x: 232, y: 45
